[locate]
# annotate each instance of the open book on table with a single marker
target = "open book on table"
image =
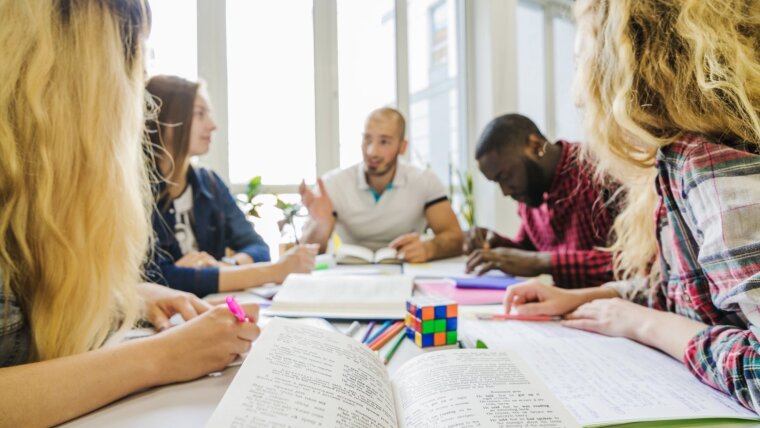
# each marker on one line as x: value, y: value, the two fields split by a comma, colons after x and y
x: 342, y: 296
x: 297, y: 375
x: 348, y: 254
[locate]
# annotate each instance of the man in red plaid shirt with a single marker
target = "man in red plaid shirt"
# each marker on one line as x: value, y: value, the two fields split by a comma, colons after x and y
x: 566, y: 214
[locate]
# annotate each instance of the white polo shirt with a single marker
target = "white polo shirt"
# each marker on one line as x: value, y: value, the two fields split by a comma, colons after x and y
x: 362, y: 220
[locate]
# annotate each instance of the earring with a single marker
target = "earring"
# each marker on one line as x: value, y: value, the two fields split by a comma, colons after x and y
x: 542, y: 151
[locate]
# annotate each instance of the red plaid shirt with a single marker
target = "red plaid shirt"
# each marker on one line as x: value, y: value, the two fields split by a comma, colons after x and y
x: 572, y: 223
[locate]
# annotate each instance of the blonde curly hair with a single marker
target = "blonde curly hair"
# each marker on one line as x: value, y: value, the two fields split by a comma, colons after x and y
x: 651, y: 70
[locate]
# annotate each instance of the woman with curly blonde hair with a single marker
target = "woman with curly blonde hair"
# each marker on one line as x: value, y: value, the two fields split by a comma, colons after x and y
x: 75, y: 220
x: 671, y: 93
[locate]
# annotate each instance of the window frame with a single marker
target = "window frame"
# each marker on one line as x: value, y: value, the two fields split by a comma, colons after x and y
x: 212, y: 67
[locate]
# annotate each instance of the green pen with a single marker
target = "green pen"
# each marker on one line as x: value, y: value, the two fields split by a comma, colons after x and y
x: 321, y: 266
x: 395, y: 346
x: 479, y: 344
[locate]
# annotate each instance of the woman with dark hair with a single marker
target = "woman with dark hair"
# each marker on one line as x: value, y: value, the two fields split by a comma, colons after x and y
x: 196, y: 218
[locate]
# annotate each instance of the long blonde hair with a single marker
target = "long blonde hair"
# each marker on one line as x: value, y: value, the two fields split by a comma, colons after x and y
x: 74, y: 195
x: 651, y: 70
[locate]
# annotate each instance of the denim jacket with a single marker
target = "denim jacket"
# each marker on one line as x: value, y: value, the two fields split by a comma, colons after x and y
x: 218, y: 223
x: 15, y: 337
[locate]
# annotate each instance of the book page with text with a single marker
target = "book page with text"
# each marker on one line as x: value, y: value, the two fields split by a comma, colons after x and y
x: 298, y: 375
x: 472, y: 388
x: 606, y: 380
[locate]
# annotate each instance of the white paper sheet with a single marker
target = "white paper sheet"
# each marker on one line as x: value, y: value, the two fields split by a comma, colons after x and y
x: 603, y: 379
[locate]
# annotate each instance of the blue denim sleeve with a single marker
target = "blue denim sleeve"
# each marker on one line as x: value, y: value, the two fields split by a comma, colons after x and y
x: 240, y: 233
x: 200, y: 282
x: 15, y: 336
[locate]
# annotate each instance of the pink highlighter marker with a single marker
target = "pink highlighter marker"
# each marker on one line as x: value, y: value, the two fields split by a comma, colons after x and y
x: 236, y: 310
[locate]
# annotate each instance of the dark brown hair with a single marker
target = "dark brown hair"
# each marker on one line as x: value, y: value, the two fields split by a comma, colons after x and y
x: 170, y: 132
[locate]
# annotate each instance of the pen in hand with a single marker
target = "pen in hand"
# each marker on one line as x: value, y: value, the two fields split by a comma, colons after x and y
x: 236, y: 310
x: 487, y: 240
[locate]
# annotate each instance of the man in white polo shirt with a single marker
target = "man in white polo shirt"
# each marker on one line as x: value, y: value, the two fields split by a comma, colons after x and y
x: 382, y: 202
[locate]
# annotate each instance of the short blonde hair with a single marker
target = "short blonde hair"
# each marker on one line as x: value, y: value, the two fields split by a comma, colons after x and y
x: 652, y: 70
x: 74, y: 194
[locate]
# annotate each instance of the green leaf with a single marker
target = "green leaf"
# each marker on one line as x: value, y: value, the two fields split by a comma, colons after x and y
x: 254, y: 187
x: 254, y: 211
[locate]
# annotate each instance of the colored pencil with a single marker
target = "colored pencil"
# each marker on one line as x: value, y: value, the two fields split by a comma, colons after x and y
x: 381, y: 340
x: 394, y: 347
x: 380, y: 331
x: 369, y: 331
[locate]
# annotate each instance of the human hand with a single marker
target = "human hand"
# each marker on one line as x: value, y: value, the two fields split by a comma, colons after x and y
x: 205, y: 344
x: 319, y: 204
x: 510, y: 261
x: 479, y: 238
x: 611, y: 317
x: 161, y: 303
x: 197, y: 260
x: 411, y: 248
x: 299, y: 259
x: 533, y: 297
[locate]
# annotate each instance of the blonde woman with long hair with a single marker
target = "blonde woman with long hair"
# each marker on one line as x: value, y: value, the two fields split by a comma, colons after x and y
x: 671, y: 92
x: 74, y: 220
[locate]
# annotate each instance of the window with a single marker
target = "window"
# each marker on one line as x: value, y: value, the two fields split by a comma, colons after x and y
x: 569, y: 117
x: 172, y: 45
x: 366, y: 68
x: 531, y: 80
x: 440, y: 35
x: 546, y: 66
x: 270, y: 71
x: 434, y: 86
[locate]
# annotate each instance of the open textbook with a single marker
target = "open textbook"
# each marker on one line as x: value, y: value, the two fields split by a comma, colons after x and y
x: 348, y: 254
x: 342, y: 296
x: 609, y: 380
x: 297, y: 376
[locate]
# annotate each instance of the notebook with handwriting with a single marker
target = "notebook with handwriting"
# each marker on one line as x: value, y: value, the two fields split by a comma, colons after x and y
x: 610, y: 380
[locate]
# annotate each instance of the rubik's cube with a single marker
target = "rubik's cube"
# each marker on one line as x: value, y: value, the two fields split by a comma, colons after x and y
x: 431, y: 321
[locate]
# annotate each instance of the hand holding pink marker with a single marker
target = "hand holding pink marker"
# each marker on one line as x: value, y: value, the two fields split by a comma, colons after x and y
x: 236, y: 310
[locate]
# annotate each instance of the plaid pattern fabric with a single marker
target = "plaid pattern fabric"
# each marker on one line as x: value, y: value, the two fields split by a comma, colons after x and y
x: 572, y: 223
x: 15, y: 336
x: 708, y: 231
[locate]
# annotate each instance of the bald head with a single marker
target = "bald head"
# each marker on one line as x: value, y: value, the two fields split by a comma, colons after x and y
x: 385, y: 114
